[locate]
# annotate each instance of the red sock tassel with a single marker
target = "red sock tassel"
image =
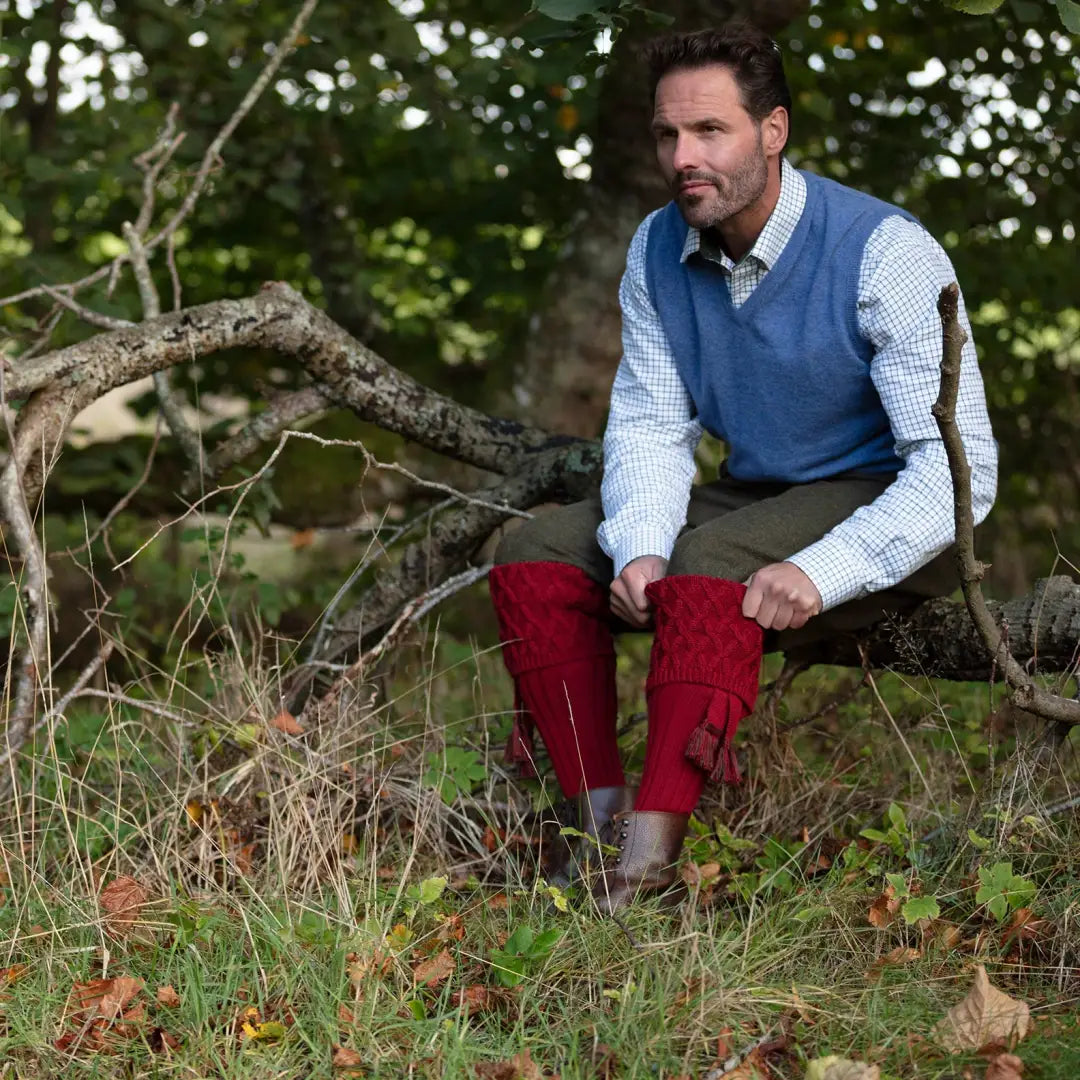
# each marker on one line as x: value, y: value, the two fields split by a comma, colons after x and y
x: 710, y: 746
x: 703, y: 746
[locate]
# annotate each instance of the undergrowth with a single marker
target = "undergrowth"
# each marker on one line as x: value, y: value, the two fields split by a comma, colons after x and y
x: 365, y: 896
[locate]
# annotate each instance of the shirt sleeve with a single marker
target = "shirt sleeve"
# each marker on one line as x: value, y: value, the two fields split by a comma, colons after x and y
x: 902, y: 273
x: 652, y: 430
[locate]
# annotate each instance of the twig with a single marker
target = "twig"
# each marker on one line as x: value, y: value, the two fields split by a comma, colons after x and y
x: 733, y: 1062
x: 210, y: 159
x: 75, y: 690
x: 412, y: 612
x: 94, y: 318
x: 1026, y: 693
x: 281, y: 413
x: 171, y: 406
x: 834, y: 702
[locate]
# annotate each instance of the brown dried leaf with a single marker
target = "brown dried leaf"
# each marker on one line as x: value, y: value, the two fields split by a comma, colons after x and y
x: 752, y: 1068
x: 1005, y: 1067
x: 838, y: 1068
x: 884, y: 909
x: 286, y: 722
x: 360, y: 966
x: 122, y: 900
x: 168, y: 997
x: 348, y: 1060
x: 899, y: 955
x: 986, y: 1015
x: 106, y: 997
x: 12, y: 974
x: 473, y: 999
x: 604, y: 1062
x: 160, y: 1041
x: 519, y: 1067
x: 435, y: 970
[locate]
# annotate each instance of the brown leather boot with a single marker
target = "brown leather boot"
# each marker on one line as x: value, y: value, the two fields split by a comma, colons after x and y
x: 590, y: 812
x: 649, y: 843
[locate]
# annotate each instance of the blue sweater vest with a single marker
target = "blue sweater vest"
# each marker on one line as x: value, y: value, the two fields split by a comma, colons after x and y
x: 784, y: 379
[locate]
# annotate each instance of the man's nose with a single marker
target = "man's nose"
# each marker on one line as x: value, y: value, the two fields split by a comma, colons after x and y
x: 686, y: 152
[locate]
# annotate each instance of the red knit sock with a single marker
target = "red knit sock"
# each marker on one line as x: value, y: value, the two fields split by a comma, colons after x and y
x: 574, y: 707
x: 554, y: 623
x: 703, y: 679
x: 670, y: 782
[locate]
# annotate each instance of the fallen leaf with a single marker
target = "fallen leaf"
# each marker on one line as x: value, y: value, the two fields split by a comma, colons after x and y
x: 286, y: 722
x: 497, y: 901
x: 838, y: 1068
x: 345, y: 1016
x: 604, y: 1062
x: 122, y: 900
x: 347, y: 1059
x: 435, y: 970
x: 753, y: 1067
x: 1005, y: 1067
x: 884, y: 909
x: 160, y: 1041
x: 472, y: 999
x: 301, y: 539
x: 194, y: 811
x: 519, y: 1067
x: 168, y: 997
x: 106, y: 997
x: 986, y: 1015
x: 452, y: 928
x: 12, y: 974
x: 897, y: 956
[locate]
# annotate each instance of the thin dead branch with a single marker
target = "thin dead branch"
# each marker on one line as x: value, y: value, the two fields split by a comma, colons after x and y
x: 1027, y: 694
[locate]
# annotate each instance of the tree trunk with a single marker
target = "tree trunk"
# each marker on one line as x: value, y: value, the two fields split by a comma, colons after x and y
x: 575, y: 344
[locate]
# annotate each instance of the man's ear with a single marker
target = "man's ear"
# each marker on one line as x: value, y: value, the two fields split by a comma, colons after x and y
x: 774, y: 131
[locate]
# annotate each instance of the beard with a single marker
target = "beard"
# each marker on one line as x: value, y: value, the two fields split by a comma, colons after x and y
x: 732, y: 194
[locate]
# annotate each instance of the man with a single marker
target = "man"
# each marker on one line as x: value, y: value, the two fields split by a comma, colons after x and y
x: 796, y: 319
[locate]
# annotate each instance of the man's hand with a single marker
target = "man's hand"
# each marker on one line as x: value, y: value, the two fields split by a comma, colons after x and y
x: 781, y: 597
x: 628, y: 599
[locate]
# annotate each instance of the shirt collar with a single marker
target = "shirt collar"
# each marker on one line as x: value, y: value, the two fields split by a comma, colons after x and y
x: 773, y: 237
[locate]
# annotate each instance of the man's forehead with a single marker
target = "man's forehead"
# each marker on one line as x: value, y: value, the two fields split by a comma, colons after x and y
x: 697, y: 90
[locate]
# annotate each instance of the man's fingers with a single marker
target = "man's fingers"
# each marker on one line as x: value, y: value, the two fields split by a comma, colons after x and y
x: 752, y: 601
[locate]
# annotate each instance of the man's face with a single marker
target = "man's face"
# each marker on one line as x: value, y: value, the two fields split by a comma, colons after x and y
x: 709, y: 147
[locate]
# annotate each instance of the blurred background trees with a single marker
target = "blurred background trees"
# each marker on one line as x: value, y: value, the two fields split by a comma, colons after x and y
x: 456, y: 181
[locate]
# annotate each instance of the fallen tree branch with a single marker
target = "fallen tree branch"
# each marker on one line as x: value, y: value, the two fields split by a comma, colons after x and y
x: 1027, y: 694
x: 279, y: 319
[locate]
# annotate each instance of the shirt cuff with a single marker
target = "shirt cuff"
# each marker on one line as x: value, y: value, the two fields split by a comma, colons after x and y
x: 837, y: 569
x: 643, y: 539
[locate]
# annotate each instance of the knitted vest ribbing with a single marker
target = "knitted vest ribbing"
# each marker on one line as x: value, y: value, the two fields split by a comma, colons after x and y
x: 784, y: 379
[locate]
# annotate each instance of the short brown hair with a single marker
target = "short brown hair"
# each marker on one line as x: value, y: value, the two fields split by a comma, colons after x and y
x: 753, y: 57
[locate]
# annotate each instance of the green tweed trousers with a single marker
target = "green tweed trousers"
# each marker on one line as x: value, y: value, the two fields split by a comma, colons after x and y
x: 734, y: 528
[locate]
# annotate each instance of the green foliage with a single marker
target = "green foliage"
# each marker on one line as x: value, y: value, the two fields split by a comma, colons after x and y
x: 913, y: 908
x: 1069, y: 11
x: 1003, y: 891
x: 896, y: 834
x: 974, y: 7
x: 454, y: 771
x: 523, y: 952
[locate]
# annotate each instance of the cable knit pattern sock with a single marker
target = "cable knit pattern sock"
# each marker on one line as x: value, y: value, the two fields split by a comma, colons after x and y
x: 703, y: 679
x: 557, y: 645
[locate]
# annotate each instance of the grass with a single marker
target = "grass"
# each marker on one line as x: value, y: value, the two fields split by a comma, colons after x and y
x: 372, y: 885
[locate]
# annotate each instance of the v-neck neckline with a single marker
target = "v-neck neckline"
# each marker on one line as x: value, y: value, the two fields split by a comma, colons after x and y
x: 781, y: 267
